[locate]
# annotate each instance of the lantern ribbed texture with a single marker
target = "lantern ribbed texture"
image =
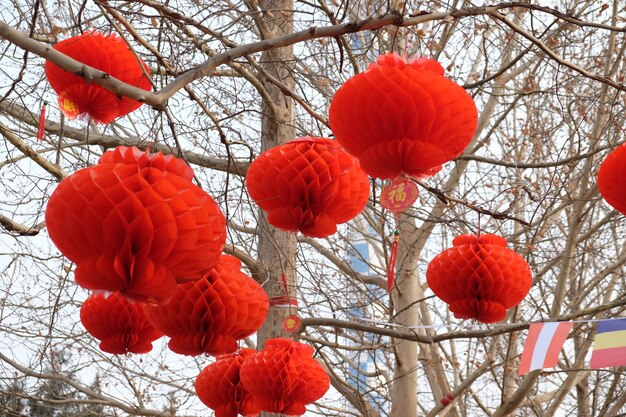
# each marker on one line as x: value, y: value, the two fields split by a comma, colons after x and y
x: 219, y: 386
x: 308, y: 185
x: 612, y: 179
x: 118, y: 323
x: 284, y: 377
x: 136, y: 223
x: 400, y: 117
x: 108, y: 53
x: 209, y: 315
x: 479, y: 277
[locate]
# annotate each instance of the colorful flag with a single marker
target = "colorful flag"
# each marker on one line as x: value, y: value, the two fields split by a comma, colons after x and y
x: 543, y: 344
x: 609, y: 346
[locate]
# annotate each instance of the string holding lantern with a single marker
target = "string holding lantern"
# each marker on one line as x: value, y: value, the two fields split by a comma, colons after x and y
x: 309, y: 185
x: 402, y: 117
x: 479, y: 277
x: 135, y: 223
x: 219, y: 386
x: 284, y: 377
x: 612, y: 179
x: 118, y: 323
x: 107, y: 53
x: 211, y: 314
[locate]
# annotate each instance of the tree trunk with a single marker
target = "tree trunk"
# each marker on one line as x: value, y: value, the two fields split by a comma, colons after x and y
x: 404, y: 294
x: 277, y: 250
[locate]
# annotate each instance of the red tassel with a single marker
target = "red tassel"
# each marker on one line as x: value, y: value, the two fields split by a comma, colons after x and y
x: 283, y: 279
x: 42, y: 122
x: 445, y: 401
x: 391, y: 266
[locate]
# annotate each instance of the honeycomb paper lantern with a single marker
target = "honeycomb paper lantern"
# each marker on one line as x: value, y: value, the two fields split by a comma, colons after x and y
x: 612, y: 179
x: 308, y: 185
x: 284, y: 377
x: 479, y: 277
x: 400, y: 117
x: 209, y: 315
x: 135, y: 223
x: 219, y: 386
x: 108, y: 53
x: 118, y: 323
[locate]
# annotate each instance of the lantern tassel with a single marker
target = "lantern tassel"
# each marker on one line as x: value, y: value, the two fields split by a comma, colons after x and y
x: 42, y: 122
x: 391, y: 266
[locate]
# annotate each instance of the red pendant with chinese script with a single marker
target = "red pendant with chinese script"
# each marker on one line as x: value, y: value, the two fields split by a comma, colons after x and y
x: 291, y: 323
x: 400, y: 194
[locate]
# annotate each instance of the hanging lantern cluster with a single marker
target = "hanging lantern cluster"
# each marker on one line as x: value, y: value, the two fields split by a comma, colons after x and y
x: 220, y: 388
x: 107, y: 53
x: 612, y: 179
x: 479, y: 277
x: 402, y: 118
x: 282, y: 378
x: 308, y: 185
x: 211, y: 314
x: 135, y: 223
x: 118, y: 323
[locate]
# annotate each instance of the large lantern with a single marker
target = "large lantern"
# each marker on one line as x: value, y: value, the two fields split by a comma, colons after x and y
x: 479, y: 277
x: 284, y: 377
x: 108, y: 53
x: 135, y: 223
x: 400, y: 117
x: 612, y: 179
x: 209, y: 315
x: 118, y: 323
x: 219, y: 386
x: 308, y: 185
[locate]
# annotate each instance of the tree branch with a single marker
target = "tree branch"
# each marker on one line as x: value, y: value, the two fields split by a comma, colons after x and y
x: 56, y: 171
x: 236, y: 166
x: 601, y: 78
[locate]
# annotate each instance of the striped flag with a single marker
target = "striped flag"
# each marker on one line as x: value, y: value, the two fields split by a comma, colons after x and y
x: 609, y: 346
x: 543, y: 345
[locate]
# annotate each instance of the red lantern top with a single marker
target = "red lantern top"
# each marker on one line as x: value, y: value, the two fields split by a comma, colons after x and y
x: 107, y: 53
x: 219, y: 386
x: 309, y: 184
x: 119, y: 323
x: 400, y: 117
x: 135, y: 223
x: 612, y: 179
x: 479, y: 277
x: 284, y: 377
x: 209, y: 315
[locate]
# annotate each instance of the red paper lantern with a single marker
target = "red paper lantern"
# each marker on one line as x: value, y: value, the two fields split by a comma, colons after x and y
x: 108, y: 53
x: 612, y: 179
x: 135, y: 223
x: 118, y: 323
x: 219, y: 386
x: 400, y: 117
x: 479, y: 277
x: 209, y: 315
x: 284, y: 377
x: 309, y: 184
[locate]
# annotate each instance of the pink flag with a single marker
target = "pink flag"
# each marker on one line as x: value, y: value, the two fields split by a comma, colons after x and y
x: 543, y: 345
